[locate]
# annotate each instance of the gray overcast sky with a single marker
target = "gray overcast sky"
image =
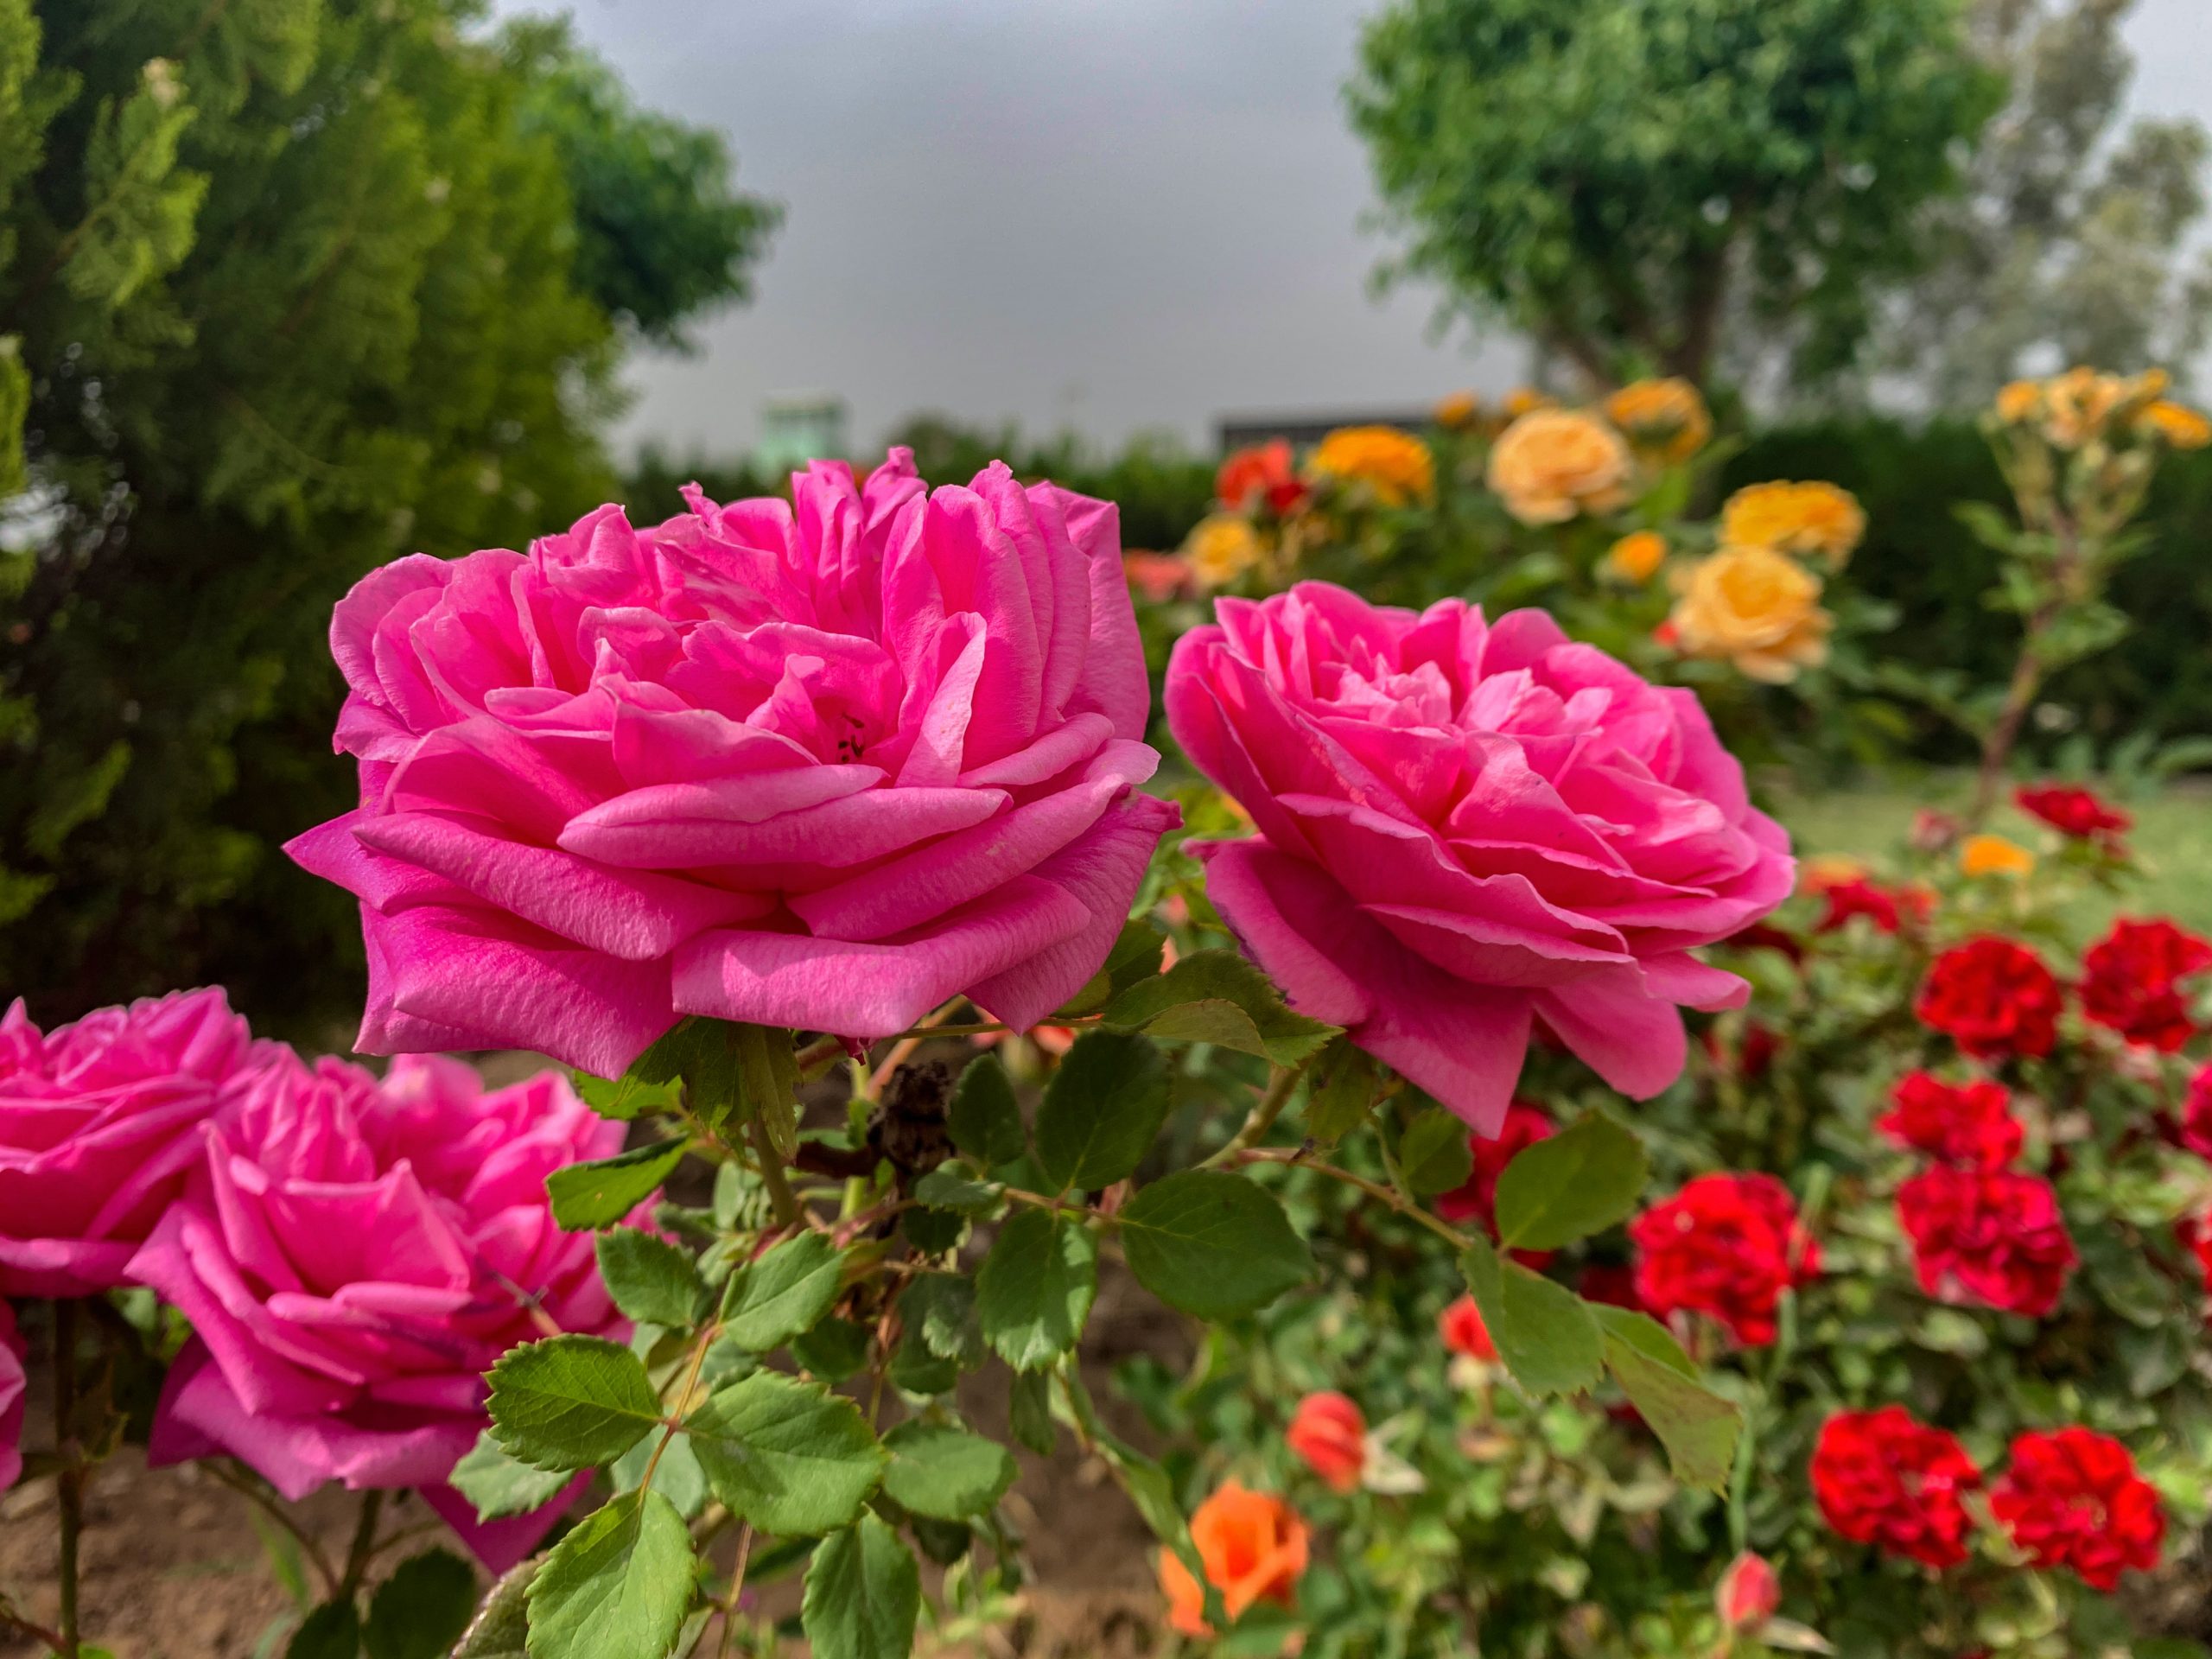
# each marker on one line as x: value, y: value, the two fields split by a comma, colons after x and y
x: 1111, y: 214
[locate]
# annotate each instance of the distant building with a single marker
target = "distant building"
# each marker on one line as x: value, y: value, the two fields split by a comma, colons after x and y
x: 796, y: 427
x: 1236, y: 431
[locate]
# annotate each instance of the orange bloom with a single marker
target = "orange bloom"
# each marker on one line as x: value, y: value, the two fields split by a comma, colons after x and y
x: 1801, y: 518
x: 1260, y: 474
x: 1329, y: 1431
x: 1253, y: 1547
x: 2019, y: 402
x: 1553, y: 463
x: 1824, y: 870
x: 1666, y: 420
x: 2182, y: 427
x: 1221, y: 548
x: 1757, y: 609
x: 1464, y: 1332
x: 1458, y: 411
x: 1994, y: 856
x: 1159, y: 576
x: 1636, y: 556
x: 1526, y: 400
x: 1395, y: 466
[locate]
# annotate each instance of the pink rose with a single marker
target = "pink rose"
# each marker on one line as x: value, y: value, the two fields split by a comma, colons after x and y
x: 12, y: 1389
x: 98, y: 1123
x: 354, y: 1256
x: 1468, y: 829
x: 823, y: 763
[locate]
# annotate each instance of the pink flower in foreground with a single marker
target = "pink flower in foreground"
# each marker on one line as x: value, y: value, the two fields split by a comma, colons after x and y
x: 98, y: 1123
x: 353, y: 1257
x: 12, y: 1389
x: 825, y: 763
x: 1466, y: 829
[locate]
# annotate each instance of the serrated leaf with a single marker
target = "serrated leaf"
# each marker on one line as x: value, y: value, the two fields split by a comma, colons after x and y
x: 1035, y: 1288
x: 947, y: 1472
x: 1196, y: 1001
x: 863, y: 1594
x: 1029, y: 1410
x: 783, y: 1292
x: 833, y: 1349
x: 331, y: 1631
x: 570, y: 1403
x: 947, y: 1188
x: 942, y: 1307
x: 676, y: 1474
x: 1546, y: 1335
x: 1212, y: 1243
x: 1570, y: 1185
x: 501, y: 1627
x: 600, y: 1193
x: 627, y: 1097
x: 1101, y: 1110
x: 1627, y: 1326
x: 983, y: 1119
x: 790, y: 1457
x: 420, y: 1611
x: 1697, y: 1426
x: 1433, y: 1155
x: 767, y: 1084
x: 1342, y: 1094
x: 651, y: 1280
x: 617, y: 1585
x: 500, y: 1486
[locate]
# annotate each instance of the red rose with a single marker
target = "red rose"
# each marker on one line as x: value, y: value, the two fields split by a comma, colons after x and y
x: 1748, y: 1594
x: 2196, y: 1115
x: 1329, y: 1431
x: 1994, y: 1236
x: 2073, y: 1498
x: 1883, y: 1479
x: 1612, y: 1284
x: 1888, y: 908
x: 1476, y: 1199
x: 2128, y: 981
x: 2073, y: 812
x: 1728, y: 1246
x: 1970, y: 1124
x: 1259, y: 474
x: 1992, y: 997
x: 2195, y: 1233
x: 1461, y: 1327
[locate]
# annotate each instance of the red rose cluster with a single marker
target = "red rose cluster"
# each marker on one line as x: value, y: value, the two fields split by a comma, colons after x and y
x: 1993, y: 1236
x: 1726, y: 1246
x: 2074, y: 813
x: 2073, y: 1499
x: 1993, y: 997
x: 1889, y: 909
x: 2131, y: 981
x: 1882, y: 1478
x: 1966, y: 1123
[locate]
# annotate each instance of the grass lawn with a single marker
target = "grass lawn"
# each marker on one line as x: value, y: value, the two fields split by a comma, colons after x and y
x: 2172, y: 836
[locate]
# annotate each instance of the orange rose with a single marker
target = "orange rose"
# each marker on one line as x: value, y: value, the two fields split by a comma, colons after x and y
x: 1801, y: 518
x: 1994, y: 856
x: 1666, y: 420
x: 1253, y: 1547
x: 1526, y: 400
x: 1395, y: 466
x: 2019, y: 402
x: 1756, y: 609
x: 1329, y: 1431
x: 1259, y: 474
x: 1636, y: 556
x: 1554, y: 463
x: 2180, y: 426
x: 1824, y: 870
x: 2080, y: 404
x: 1459, y: 412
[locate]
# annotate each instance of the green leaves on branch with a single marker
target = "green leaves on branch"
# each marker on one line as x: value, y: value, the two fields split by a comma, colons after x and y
x: 618, y: 1583
x: 571, y: 1402
x: 731, y: 1075
x: 652, y: 1280
x: 601, y: 1194
x: 863, y: 1594
x: 420, y: 1611
x: 1698, y: 1427
x: 1545, y: 1334
x: 790, y: 1457
x: 1578, y: 1182
x: 1212, y: 1243
x: 1342, y: 1092
x: 946, y: 1473
x: 983, y: 1119
x: 501, y: 1484
x: 1216, y: 996
x: 1034, y: 1290
x: 1433, y: 1155
x: 1101, y: 1110
x: 782, y: 1293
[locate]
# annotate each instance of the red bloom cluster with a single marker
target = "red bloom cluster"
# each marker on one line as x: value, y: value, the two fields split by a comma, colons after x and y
x: 1968, y: 1123
x: 2131, y: 977
x: 1994, y: 1236
x: 2196, y: 1115
x: 1329, y: 1431
x: 1888, y: 908
x: 1476, y: 1198
x: 2075, y: 812
x: 2072, y: 1498
x: 1728, y: 1246
x: 1461, y: 1327
x: 1260, y: 475
x: 1993, y: 997
x: 1882, y: 1478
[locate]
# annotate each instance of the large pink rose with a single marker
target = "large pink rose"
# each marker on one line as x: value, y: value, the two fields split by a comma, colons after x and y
x: 354, y: 1256
x: 822, y: 764
x: 1467, y: 831
x: 98, y: 1123
x: 12, y: 1389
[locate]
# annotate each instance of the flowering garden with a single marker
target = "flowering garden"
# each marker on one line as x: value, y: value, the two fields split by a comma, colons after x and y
x: 1599, y: 1232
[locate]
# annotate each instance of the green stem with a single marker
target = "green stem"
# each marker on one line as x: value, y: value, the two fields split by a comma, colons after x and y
x: 788, y: 1213
x: 245, y: 1487
x: 1280, y: 1087
x: 70, y: 1481
x: 736, y: 1590
x: 1404, y: 1205
x: 363, y: 1546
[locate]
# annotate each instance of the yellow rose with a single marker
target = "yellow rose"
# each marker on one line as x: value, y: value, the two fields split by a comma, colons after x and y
x: 1553, y: 463
x: 1636, y: 556
x: 1757, y: 609
x: 1994, y: 856
x: 1666, y: 420
x: 1394, y: 465
x: 1221, y: 547
x: 2077, y: 404
x: 1801, y: 518
x: 1457, y: 413
x: 2180, y: 426
x: 2020, y: 402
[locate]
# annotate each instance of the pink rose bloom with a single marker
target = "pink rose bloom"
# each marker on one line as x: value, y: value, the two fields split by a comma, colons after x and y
x: 821, y: 764
x: 354, y: 1256
x: 98, y: 1123
x: 12, y: 1389
x: 1469, y: 829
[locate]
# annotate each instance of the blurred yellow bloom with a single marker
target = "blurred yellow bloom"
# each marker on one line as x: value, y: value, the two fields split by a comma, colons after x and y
x: 2019, y: 402
x: 1395, y: 466
x: 2182, y: 427
x: 1825, y: 870
x: 1666, y: 420
x: 1458, y: 411
x: 1804, y: 519
x: 1553, y: 463
x: 1994, y: 856
x: 1221, y: 548
x: 1636, y: 556
x: 1526, y: 400
x: 1756, y: 609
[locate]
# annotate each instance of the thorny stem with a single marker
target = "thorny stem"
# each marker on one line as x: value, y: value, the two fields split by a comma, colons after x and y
x: 245, y: 1487
x: 736, y: 1589
x: 2027, y: 680
x: 69, y: 1482
x: 363, y: 1546
x: 788, y: 1213
x: 1280, y: 1087
x: 1377, y: 1190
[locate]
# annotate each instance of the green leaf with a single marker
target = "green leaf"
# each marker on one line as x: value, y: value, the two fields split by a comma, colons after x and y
x: 1697, y: 1426
x: 1211, y: 1243
x: 599, y: 1194
x: 1547, y: 1336
x: 651, y: 1280
x: 767, y: 1084
x: 1434, y: 1155
x: 1216, y: 996
x: 617, y: 1585
x: 1626, y: 1327
x: 570, y: 1403
x: 331, y: 1631
x: 1035, y: 1288
x: 788, y: 1456
x: 1101, y: 1110
x: 1029, y: 1410
x: 941, y: 1307
x: 501, y: 1627
x: 498, y: 1485
x: 784, y: 1292
x: 938, y: 1469
x: 983, y: 1119
x: 625, y: 1097
x: 696, y: 1053
x: 1343, y: 1092
x: 932, y: 1232
x: 833, y: 1349
x: 863, y: 1594
x: 676, y: 1474
x: 947, y: 1188
x: 420, y: 1611
x: 1578, y: 1182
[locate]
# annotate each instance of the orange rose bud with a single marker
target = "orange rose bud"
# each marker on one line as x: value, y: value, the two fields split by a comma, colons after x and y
x: 1253, y: 1547
x: 1748, y: 1592
x: 1464, y: 1332
x: 1328, y: 1431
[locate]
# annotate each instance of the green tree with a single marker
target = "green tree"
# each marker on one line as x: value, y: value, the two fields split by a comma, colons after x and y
x: 296, y: 287
x: 1618, y: 178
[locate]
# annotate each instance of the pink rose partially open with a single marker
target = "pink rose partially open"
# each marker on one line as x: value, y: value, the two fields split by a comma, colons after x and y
x: 354, y: 1256
x: 12, y: 1389
x: 824, y: 763
x: 99, y: 1121
x: 1466, y: 830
